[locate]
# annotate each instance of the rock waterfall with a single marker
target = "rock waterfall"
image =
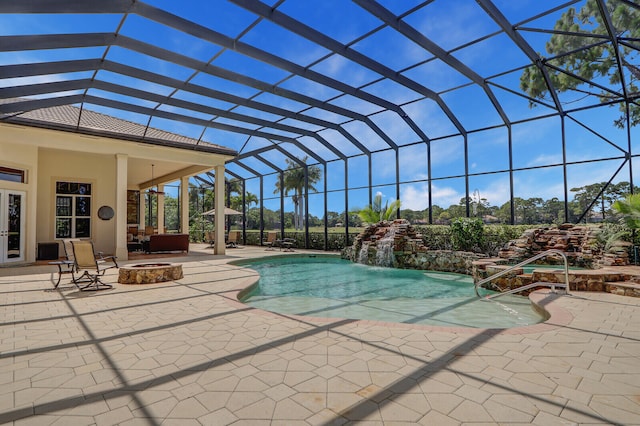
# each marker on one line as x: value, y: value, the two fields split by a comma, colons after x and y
x: 382, y: 243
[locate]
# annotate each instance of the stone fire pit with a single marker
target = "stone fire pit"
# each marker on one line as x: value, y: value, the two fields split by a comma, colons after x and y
x: 149, y: 273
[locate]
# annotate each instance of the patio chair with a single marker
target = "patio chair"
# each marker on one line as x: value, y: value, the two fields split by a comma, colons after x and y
x: 68, y: 251
x: 271, y: 240
x: 133, y: 230
x: 67, y: 266
x: 233, y: 239
x: 210, y: 237
x: 68, y: 248
x: 92, y: 267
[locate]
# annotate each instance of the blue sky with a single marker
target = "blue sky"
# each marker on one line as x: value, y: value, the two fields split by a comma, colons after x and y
x: 535, y: 143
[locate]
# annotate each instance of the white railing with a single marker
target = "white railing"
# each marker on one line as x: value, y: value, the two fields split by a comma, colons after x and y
x: 526, y: 287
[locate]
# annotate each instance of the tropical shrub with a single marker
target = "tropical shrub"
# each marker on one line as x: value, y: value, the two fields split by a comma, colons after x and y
x: 630, y: 209
x: 376, y: 213
x: 467, y: 234
x: 610, y: 235
x: 435, y: 237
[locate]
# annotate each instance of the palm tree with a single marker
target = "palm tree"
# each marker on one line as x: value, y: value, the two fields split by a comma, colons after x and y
x: 249, y: 198
x: 376, y: 213
x: 294, y: 180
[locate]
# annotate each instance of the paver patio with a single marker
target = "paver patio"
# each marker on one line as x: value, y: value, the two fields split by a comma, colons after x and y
x: 187, y: 352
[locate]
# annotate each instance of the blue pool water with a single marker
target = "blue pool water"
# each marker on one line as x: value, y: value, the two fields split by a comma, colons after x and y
x: 326, y: 286
x: 527, y: 269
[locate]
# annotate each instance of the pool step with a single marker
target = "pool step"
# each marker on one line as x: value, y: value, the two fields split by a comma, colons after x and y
x: 552, y: 286
x: 623, y: 288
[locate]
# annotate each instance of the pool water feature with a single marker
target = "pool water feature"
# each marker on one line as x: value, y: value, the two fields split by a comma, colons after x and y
x: 327, y: 286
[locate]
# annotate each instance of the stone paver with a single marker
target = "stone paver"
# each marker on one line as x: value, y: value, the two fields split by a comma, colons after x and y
x: 187, y: 352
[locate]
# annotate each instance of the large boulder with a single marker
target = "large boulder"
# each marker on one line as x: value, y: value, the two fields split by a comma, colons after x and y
x: 579, y: 243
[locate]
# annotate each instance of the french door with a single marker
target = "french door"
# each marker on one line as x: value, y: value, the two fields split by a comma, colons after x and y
x: 12, y: 235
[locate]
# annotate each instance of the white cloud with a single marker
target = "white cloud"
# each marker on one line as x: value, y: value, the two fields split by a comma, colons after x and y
x: 24, y: 81
x: 446, y: 196
x: 430, y: 118
x: 452, y: 29
x: 416, y: 197
x: 395, y: 127
x: 545, y: 159
x: 496, y: 193
x: 337, y: 66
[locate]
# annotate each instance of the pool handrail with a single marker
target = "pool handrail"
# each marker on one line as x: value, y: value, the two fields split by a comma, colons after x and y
x: 526, y: 262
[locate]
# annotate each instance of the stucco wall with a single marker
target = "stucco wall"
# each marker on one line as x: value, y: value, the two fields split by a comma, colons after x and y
x: 96, y: 169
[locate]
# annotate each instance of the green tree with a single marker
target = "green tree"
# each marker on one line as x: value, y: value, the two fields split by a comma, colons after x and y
x: 588, y: 58
x: 435, y: 212
x: 294, y: 181
x: 150, y: 209
x: 479, y: 206
x: 552, y: 211
x: 353, y: 218
x: 200, y: 199
x: 443, y: 217
x: 411, y: 215
x: 459, y: 210
x: 236, y: 201
x: 171, y: 213
x: 527, y: 211
x: 585, y: 195
x: 234, y: 186
x: 315, y: 221
x: 503, y: 213
x: 253, y: 218
x: 375, y: 213
x: 333, y: 218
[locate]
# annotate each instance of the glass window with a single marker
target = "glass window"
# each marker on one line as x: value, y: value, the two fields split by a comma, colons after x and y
x: 63, y: 206
x: 12, y: 175
x: 83, y: 206
x: 73, y: 210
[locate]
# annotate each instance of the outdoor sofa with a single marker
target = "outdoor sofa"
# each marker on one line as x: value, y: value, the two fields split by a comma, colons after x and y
x: 166, y: 242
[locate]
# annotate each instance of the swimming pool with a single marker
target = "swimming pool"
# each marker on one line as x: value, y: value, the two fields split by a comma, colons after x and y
x: 327, y: 286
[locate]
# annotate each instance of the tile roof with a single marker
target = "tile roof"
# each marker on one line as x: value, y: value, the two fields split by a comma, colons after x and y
x: 65, y: 117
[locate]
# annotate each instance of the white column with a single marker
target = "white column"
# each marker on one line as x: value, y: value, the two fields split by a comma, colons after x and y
x: 219, y: 246
x: 31, y: 219
x: 160, y: 212
x: 184, y: 204
x: 122, y: 161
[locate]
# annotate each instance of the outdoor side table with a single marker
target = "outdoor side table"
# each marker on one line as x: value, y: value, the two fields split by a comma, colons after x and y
x: 134, y: 246
x: 287, y: 244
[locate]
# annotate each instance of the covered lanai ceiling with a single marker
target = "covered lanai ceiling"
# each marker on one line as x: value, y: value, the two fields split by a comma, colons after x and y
x: 328, y: 80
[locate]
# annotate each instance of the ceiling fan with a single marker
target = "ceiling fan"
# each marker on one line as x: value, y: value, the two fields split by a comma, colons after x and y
x: 152, y: 190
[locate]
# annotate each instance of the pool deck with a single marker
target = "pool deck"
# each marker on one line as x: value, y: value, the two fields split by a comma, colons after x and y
x: 188, y: 353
